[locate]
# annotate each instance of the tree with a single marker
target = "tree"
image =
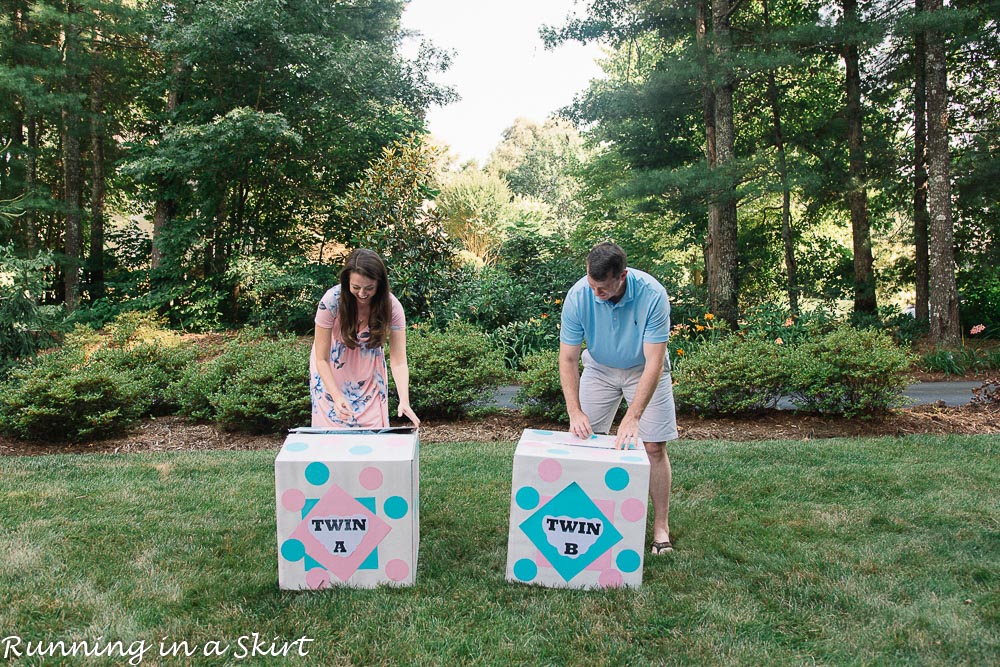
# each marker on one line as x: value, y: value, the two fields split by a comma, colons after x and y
x: 944, y: 322
x: 476, y: 208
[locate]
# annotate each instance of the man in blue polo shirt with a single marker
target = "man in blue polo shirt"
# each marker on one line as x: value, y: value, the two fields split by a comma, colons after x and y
x: 624, y: 317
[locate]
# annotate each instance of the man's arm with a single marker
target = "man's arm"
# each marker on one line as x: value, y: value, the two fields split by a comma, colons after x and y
x: 569, y: 378
x: 628, y: 430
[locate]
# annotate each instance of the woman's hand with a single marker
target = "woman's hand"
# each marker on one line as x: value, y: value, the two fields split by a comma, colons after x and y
x: 406, y: 411
x: 341, y: 407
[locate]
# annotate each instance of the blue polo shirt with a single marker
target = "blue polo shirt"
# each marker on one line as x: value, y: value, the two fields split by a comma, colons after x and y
x: 615, y: 332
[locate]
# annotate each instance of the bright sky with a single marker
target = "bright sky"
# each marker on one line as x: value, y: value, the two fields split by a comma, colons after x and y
x: 500, y: 67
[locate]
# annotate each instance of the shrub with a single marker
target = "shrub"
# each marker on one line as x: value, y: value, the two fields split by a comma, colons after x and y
x: 64, y: 395
x: 731, y: 376
x: 25, y: 327
x: 281, y: 298
x: 257, y: 384
x: 450, y: 370
x: 848, y: 372
x: 517, y: 340
x: 540, y: 394
x: 96, y: 384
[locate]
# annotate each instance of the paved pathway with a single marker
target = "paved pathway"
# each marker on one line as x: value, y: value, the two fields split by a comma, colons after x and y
x: 952, y: 393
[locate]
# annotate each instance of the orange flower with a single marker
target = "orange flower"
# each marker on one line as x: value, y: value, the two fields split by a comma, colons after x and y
x: 789, y: 322
x: 709, y: 317
x: 699, y: 327
x: 544, y: 315
x: 680, y: 352
x: 558, y: 301
x: 778, y: 341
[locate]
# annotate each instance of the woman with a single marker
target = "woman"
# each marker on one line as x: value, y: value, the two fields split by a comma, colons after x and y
x: 349, y: 382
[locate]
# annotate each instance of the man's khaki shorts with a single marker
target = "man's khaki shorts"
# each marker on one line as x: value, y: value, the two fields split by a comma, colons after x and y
x: 603, y: 387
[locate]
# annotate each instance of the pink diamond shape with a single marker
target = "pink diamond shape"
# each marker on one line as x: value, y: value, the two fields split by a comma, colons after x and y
x: 338, y: 503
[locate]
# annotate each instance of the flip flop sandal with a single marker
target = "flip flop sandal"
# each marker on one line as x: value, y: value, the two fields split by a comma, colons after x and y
x: 660, y: 548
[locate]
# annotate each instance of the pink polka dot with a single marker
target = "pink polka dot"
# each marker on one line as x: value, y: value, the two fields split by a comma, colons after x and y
x: 318, y: 578
x: 549, y: 470
x: 633, y: 509
x: 610, y: 579
x: 370, y: 478
x: 293, y: 500
x: 397, y: 569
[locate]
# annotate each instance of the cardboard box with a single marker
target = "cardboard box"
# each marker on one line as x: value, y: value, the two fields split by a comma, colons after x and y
x: 347, y: 508
x: 577, y: 512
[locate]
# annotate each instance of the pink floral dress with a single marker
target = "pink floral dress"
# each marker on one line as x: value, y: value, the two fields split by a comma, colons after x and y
x: 360, y: 373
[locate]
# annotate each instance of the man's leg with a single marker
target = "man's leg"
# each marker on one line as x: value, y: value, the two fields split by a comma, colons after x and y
x: 659, y: 489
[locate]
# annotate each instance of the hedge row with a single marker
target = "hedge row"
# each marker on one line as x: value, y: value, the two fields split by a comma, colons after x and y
x: 97, y: 385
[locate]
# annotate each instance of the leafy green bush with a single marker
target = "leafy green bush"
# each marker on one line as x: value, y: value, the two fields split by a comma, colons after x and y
x: 848, y: 372
x: 517, y: 340
x: 771, y: 322
x: 96, y: 384
x: 540, y: 394
x: 257, y: 384
x: 64, y: 395
x: 25, y: 326
x: 281, y: 298
x: 450, y: 370
x: 731, y: 376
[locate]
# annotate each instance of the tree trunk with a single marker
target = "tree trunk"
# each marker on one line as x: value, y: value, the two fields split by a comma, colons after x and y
x: 30, y: 175
x: 72, y: 181
x: 921, y: 218
x: 711, y: 157
x: 787, y: 236
x: 724, y: 294
x: 857, y: 194
x: 164, y: 202
x: 944, y: 323
x: 97, y: 185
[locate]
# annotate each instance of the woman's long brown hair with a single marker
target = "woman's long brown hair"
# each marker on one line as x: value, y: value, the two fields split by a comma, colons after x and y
x: 368, y: 264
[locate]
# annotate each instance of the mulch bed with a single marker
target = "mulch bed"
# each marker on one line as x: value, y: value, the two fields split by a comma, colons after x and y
x: 169, y: 434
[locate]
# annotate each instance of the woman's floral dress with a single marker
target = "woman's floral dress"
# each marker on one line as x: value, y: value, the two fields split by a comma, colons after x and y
x: 360, y: 373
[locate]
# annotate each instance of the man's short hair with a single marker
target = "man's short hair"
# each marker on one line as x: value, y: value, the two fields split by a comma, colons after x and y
x: 606, y: 260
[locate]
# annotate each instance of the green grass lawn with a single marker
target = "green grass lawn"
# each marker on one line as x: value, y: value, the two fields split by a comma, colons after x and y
x: 862, y: 552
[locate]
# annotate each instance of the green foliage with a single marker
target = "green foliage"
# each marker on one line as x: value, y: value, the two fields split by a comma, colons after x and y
x: 848, y: 372
x: 257, y: 384
x: 97, y: 384
x: 450, y: 370
x: 25, y: 326
x: 384, y: 212
x: 731, y: 376
x: 540, y: 393
x: 66, y: 396
x: 475, y: 207
x: 281, y: 297
x: 771, y: 321
x: 519, y: 339
x: 961, y: 360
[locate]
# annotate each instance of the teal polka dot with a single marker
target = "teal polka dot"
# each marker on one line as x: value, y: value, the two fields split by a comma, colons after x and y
x: 628, y: 561
x: 527, y: 497
x: 540, y: 432
x: 633, y: 459
x: 293, y: 550
x: 360, y: 449
x: 297, y: 446
x: 616, y: 479
x: 525, y: 569
x: 396, y: 507
x: 317, y: 473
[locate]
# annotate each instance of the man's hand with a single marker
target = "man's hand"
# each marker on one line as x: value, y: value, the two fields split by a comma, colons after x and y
x: 579, y: 425
x: 628, y: 433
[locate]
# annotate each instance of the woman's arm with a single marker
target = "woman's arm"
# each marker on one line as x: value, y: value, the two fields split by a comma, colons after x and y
x: 401, y: 373
x: 321, y: 348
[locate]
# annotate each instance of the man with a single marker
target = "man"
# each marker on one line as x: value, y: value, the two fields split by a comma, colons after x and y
x: 624, y: 317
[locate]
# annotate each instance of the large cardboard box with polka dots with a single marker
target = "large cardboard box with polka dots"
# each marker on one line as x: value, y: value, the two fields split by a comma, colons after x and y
x: 577, y: 512
x: 348, y: 512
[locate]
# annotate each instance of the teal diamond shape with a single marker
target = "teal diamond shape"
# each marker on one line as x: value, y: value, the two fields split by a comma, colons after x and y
x: 579, y: 529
